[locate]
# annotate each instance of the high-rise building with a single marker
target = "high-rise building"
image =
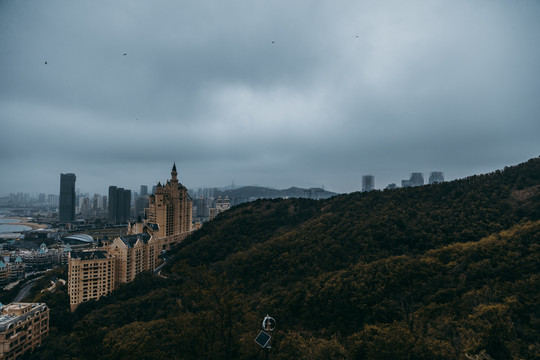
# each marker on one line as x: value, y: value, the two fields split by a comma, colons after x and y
x: 127, y: 205
x: 120, y: 201
x: 144, y: 190
x: 96, y: 203
x: 368, y: 183
x: 141, y: 203
x: 221, y: 206
x: 91, y: 275
x: 405, y: 183
x: 170, y: 207
x: 52, y: 200
x: 112, y: 204
x: 119, y: 205
x: 202, y: 208
x: 436, y: 177
x: 66, y: 213
x: 417, y: 179
x: 84, y: 204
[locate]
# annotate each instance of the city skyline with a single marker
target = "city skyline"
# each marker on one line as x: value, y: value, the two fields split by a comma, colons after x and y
x: 270, y: 94
x: 438, y: 176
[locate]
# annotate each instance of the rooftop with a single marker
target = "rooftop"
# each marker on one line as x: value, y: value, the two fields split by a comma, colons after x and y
x: 131, y: 240
x: 84, y: 238
x: 15, y: 312
x: 89, y: 255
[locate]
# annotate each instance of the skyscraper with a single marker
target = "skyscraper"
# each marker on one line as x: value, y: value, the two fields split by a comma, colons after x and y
x: 112, y: 204
x: 119, y: 205
x: 368, y: 183
x: 436, y: 177
x: 95, y: 203
x: 144, y: 190
x: 120, y: 215
x: 127, y: 205
x: 417, y: 179
x: 141, y: 203
x: 66, y: 210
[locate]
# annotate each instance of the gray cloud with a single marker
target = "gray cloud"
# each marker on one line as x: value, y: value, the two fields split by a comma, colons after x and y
x: 279, y: 94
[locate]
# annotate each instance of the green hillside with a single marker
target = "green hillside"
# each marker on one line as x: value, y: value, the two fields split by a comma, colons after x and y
x: 435, y: 272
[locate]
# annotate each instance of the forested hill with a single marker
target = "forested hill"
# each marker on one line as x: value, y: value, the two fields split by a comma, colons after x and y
x: 434, y: 272
x: 295, y: 238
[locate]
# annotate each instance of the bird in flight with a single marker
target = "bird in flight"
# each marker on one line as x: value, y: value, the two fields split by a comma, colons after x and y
x: 124, y: 54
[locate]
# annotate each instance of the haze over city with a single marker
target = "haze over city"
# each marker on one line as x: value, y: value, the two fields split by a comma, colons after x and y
x: 274, y: 94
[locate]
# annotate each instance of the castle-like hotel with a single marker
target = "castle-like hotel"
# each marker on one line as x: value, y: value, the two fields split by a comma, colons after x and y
x: 95, y: 273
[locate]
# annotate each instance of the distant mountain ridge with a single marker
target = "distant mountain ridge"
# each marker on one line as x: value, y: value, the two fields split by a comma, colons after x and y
x: 258, y: 192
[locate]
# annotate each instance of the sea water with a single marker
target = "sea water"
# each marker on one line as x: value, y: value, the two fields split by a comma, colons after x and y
x: 5, y: 228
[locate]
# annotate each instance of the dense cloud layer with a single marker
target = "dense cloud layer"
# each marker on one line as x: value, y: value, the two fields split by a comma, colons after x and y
x: 270, y: 93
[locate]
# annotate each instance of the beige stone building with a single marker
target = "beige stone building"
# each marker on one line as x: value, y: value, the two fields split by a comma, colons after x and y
x: 170, y: 207
x: 91, y: 275
x: 22, y: 327
x: 134, y: 254
x: 95, y: 273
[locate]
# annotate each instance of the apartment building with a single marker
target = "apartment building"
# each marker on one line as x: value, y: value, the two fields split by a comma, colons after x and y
x: 22, y: 327
x: 134, y: 254
x: 221, y: 206
x: 91, y: 275
x: 11, y: 270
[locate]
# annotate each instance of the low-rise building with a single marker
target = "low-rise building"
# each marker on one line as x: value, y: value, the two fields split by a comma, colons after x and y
x: 11, y: 270
x: 43, y: 258
x: 22, y: 327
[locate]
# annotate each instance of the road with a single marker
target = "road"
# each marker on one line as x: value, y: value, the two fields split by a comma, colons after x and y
x: 158, y: 270
x: 24, y: 291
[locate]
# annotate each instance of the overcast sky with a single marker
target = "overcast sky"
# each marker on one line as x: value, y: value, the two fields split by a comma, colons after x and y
x: 271, y: 93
